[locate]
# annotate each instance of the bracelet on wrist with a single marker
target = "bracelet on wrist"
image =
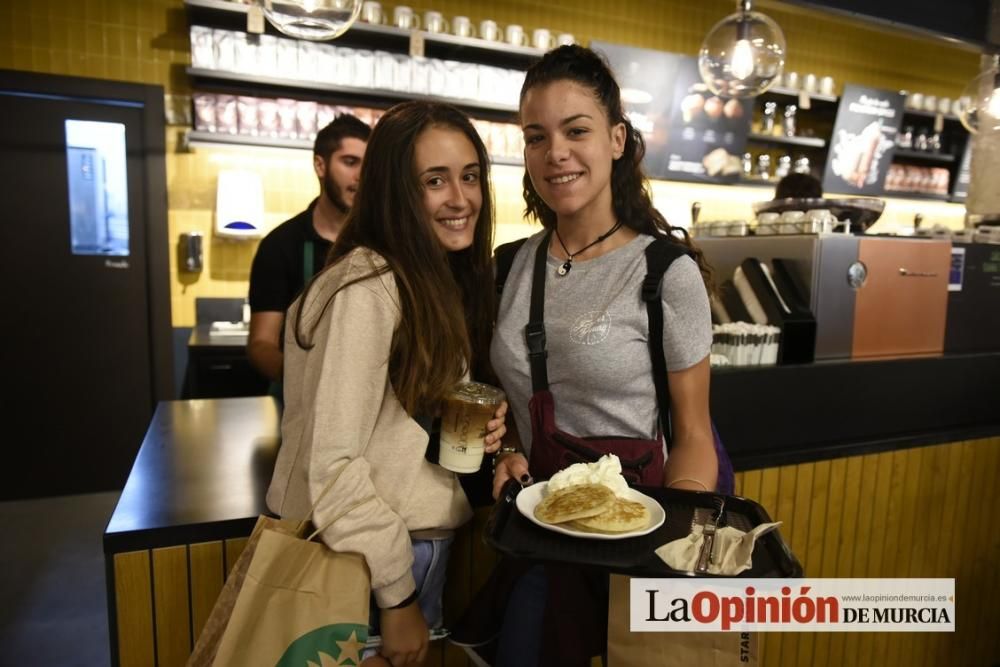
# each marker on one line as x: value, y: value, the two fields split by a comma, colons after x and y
x: 688, y: 479
x: 410, y: 599
x: 504, y: 449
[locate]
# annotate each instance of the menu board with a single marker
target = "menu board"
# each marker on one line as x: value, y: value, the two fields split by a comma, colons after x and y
x: 961, y: 189
x: 864, y: 140
x: 690, y: 133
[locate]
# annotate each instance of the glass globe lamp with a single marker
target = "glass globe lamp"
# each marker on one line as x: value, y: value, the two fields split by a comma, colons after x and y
x: 743, y: 54
x: 316, y: 20
x: 982, y: 111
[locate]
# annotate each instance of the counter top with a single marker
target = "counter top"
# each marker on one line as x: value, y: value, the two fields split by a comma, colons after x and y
x: 204, y: 465
x: 201, y: 337
x: 201, y: 474
x: 779, y: 415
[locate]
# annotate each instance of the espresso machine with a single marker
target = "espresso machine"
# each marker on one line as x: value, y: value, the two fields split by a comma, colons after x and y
x: 871, y: 296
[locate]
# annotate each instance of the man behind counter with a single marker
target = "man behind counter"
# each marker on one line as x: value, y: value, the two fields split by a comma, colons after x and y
x: 296, y: 250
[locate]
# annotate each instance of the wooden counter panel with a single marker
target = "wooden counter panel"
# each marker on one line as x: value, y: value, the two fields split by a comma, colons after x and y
x: 170, y: 604
x: 134, y: 603
x: 207, y: 577
x: 234, y: 548
x: 905, y: 513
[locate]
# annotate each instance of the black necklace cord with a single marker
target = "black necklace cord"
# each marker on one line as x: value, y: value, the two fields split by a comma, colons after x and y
x: 568, y: 264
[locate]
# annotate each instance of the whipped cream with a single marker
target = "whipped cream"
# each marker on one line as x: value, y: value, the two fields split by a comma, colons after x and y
x: 607, y: 470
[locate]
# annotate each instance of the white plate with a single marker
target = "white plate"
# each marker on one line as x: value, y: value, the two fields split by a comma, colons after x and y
x: 529, y: 497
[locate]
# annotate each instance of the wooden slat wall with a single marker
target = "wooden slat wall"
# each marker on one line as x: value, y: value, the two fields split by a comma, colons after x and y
x: 207, y: 577
x: 923, y: 512
x: 134, y: 609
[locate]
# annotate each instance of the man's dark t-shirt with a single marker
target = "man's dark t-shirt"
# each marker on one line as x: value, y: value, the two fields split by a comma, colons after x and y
x: 277, y: 274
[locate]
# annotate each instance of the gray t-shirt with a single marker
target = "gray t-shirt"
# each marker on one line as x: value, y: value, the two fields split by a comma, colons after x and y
x: 597, y: 333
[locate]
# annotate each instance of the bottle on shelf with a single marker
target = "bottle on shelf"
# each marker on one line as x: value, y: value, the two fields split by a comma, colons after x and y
x: 788, y: 122
x: 802, y: 165
x: 784, y: 167
x: 904, y: 139
x: 934, y: 143
x: 767, y: 123
x: 747, y: 165
x: 764, y: 167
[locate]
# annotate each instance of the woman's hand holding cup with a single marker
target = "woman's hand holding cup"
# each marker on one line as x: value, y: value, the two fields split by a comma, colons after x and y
x: 496, y: 429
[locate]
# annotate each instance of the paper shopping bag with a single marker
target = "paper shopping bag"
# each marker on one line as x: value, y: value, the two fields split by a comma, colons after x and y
x: 299, y: 601
x: 287, y: 598
x: 205, y: 648
x: 670, y: 649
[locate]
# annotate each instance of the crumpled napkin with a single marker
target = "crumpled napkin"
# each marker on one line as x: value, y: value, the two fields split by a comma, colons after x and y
x: 732, y: 550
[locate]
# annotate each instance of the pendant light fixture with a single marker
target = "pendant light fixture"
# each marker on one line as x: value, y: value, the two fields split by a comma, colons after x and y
x: 743, y: 54
x: 316, y: 20
x: 982, y: 111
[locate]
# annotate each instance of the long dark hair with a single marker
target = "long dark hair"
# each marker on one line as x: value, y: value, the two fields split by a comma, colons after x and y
x: 446, y: 299
x: 630, y: 198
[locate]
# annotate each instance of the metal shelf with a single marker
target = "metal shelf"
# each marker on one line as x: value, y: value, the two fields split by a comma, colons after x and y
x: 378, y: 35
x: 808, y: 142
x: 923, y: 156
x: 195, y: 137
x: 312, y: 87
x: 507, y: 161
x: 757, y: 182
x: 931, y: 114
x: 792, y: 92
x: 928, y: 196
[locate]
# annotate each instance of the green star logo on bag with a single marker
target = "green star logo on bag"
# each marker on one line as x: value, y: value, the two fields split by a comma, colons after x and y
x: 329, y: 646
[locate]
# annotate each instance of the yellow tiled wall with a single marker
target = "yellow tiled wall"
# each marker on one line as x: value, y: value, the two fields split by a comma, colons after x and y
x: 146, y: 41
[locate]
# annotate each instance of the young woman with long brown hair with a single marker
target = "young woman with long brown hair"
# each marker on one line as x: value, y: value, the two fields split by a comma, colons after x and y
x: 401, y: 314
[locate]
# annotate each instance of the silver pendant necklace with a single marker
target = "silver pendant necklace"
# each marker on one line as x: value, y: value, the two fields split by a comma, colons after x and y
x: 565, y: 267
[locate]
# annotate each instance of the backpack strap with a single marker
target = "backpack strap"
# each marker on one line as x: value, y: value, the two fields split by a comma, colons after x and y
x: 504, y: 258
x: 660, y: 254
x: 535, y: 330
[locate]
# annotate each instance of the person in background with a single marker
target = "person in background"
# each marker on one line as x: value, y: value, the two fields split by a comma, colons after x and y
x: 400, y: 315
x: 798, y: 186
x: 294, y: 251
x: 585, y: 184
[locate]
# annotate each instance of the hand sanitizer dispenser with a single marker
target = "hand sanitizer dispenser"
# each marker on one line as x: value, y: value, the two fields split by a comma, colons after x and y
x: 239, y: 205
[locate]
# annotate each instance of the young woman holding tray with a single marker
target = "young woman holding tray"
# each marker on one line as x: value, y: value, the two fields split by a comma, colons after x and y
x: 572, y: 342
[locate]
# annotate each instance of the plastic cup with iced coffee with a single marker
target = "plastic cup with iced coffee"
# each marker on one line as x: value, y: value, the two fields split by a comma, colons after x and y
x: 467, y: 410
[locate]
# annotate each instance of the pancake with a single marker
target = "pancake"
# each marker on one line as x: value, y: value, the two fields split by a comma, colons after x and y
x: 574, y: 502
x: 621, y: 517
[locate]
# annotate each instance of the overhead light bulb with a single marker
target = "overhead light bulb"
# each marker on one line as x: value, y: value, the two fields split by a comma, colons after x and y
x: 994, y: 105
x: 743, y: 54
x: 316, y: 20
x: 742, y: 64
x: 981, y: 109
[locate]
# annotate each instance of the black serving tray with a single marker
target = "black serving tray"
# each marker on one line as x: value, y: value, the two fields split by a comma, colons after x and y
x: 510, y: 533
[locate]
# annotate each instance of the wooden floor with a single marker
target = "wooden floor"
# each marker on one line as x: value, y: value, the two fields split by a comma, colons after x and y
x: 922, y: 512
